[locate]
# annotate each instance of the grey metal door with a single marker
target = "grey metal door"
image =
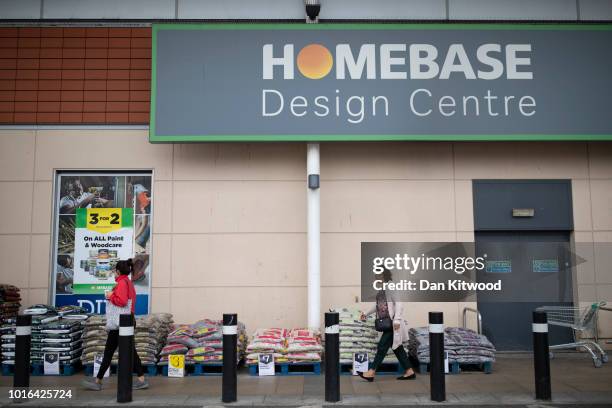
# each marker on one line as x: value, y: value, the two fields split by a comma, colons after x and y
x: 523, y: 227
x: 533, y: 267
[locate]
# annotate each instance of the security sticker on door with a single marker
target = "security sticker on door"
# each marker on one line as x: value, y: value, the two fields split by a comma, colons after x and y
x: 176, y: 365
x: 360, y: 363
x: 266, y: 364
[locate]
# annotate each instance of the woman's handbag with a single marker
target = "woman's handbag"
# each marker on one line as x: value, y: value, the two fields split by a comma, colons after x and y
x: 383, y: 324
x: 113, y: 312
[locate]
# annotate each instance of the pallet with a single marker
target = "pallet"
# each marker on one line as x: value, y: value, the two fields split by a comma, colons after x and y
x: 456, y: 368
x: 383, y: 369
x: 150, y: 369
x: 201, y: 369
x: 284, y: 369
x: 38, y: 369
x: 486, y: 368
x: 423, y: 368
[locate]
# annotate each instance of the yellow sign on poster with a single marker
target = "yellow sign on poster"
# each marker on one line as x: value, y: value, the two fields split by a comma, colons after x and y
x: 104, y: 220
x: 176, y: 365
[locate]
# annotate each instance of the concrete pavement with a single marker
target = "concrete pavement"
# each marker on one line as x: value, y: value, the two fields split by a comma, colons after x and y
x: 575, y: 382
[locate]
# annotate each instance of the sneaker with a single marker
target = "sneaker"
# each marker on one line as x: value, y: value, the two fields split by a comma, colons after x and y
x: 140, y: 385
x: 91, y: 384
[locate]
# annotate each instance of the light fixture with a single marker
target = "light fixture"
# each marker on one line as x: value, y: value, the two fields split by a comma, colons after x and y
x: 312, y: 9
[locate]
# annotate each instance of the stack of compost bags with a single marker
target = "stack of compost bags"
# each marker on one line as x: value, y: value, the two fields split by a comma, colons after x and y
x: 53, y: 331
x: 462, y: 345
x: 201, y: 342
x: 46, y: 316
x: 10, y: 301
x: 149, y: 337
x: 304, y: 345
x: 7, y: 341
x: 94, y: 338
x: 356, y: 336
x: 62, y: 337
x: 296, y: 345
x: 268, y: 341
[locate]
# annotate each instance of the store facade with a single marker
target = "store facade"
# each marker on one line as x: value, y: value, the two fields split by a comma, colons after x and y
x: 227, y: 222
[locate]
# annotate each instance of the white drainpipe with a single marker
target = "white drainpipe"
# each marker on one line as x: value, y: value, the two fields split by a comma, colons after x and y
x: 314, y: 208
x: 314, y: 236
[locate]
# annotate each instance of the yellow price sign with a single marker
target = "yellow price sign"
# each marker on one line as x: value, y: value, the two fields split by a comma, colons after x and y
x: 177, y: 361
x: 176, y: 365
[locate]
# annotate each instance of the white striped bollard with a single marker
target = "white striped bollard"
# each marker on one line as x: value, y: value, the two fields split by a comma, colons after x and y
x: 436, y: 357
x: 230, y: 343
x: 332, y: 357
x: 23, y: 343
x: 126, y: 358
x: 541, y: 357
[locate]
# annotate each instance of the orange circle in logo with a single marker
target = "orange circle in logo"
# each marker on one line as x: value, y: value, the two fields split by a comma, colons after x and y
x: 314, y: 61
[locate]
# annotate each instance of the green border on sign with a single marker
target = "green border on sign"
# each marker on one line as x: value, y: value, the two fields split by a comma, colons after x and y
x: 154, y: 138
x: 81, y: 218
x: 127, y: 217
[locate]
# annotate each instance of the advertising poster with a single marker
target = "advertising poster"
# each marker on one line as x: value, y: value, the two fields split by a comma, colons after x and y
x: 101, y: 218
x: 102, y: 237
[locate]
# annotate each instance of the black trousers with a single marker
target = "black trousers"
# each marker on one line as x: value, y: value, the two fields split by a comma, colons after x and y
x: 386, y: 341
x: 112, y: 342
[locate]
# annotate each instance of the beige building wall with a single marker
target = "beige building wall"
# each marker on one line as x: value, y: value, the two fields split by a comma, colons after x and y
x: 229, y: 227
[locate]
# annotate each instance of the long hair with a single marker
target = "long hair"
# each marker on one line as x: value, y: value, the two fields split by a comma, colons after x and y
x: 125, y: 267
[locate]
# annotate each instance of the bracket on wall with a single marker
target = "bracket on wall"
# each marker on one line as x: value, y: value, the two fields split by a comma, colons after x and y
x: 313, y: 181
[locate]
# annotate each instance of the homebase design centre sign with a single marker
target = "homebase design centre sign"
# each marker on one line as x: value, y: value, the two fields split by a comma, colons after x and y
x: 298, y: 82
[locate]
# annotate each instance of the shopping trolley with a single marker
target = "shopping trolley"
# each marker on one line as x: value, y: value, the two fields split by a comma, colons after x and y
x: 579, y: 319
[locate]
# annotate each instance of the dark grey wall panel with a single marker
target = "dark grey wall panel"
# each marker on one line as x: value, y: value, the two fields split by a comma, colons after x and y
x: 550, y: 199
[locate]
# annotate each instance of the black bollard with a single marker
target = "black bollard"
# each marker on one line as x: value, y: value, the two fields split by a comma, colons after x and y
x: 332, y: 357
x: 230, y: 343
x: 23, y: 342
x: 126, y: 358
x: 436, y: 357
x: 541, y: 362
